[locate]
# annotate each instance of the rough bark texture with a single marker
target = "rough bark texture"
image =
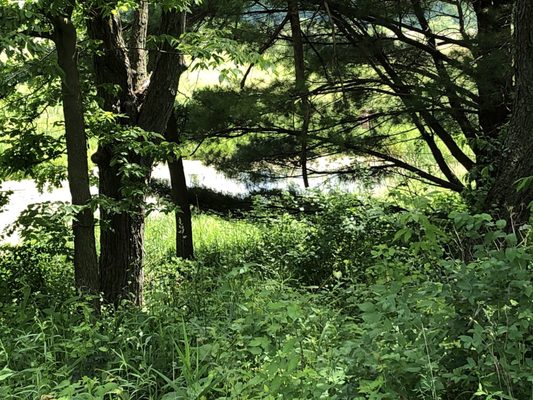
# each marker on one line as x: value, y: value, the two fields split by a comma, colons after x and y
x: 158, y: 103
x: 517, y: 160
x: 494, y: 74
x: 138, y: 52
x: 179, y: 195
x: 112, y: 65
x: 122, y: 235
x: 86, y: 269
x: 301, y: 85
x: 122, y: 262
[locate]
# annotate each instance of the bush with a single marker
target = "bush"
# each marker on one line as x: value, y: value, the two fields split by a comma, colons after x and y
x: 449, y: 314
x: 414, y: 302
x: 33, y: 269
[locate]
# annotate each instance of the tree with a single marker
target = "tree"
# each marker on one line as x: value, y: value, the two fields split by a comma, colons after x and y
x: 24, y: 27
x: 445, y: 104
x: 512, y: 191
x: 85, y: 259
x: 136, y: 79
x: 135, y: 114
x: 300, y: 82
x: 179, y: 194
x: 140, y: 104
x: 382, y: 65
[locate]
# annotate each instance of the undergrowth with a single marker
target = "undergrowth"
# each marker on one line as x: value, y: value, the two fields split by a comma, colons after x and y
x: 351, y: 298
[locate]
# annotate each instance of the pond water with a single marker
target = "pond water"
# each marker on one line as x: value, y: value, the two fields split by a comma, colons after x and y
x: 26, y: 193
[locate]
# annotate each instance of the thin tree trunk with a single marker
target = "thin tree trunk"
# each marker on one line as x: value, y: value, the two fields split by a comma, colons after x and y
x: 180, y: 198
x: 184, y: 236
x: 301, y: 85
x: 517, y: 160
x: 86, y: 269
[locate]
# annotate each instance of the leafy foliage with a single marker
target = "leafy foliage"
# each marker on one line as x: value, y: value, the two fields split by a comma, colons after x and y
x: 326, y: 296
x: 406, y: 302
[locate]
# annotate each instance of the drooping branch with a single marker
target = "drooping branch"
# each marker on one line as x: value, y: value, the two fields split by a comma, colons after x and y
x: 391, y: 78
x: 268, y: 44
x: 455, y: 101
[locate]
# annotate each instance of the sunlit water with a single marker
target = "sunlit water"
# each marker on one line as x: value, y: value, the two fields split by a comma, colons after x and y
x: 26, y: 193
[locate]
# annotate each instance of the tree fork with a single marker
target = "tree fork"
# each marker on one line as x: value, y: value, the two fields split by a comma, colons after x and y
x: 122, y: 236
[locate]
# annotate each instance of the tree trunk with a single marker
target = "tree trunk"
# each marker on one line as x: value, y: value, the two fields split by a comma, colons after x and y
x: 147, y: 107
x: 121, y: 241
x: 138, y: 52
x: 86, y: 269
x: 121, y: 232
x: 517, y: 158
x: 301, y: 85
x: 184, y: 238
x: 494, y: 75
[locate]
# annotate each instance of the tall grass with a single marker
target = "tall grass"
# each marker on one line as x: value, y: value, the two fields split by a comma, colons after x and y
x: 211, y: 234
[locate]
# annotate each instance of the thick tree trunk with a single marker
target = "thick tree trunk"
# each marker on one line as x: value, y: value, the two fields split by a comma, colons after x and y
x: 147, y: 107
x: 517, y: 159
x: 301, y: 84
x: 121, y: 232
x: 86, y: 269
x: 494, y: 75
x: 122, y: 277
x: 180, y: 198
x: 121, y: 241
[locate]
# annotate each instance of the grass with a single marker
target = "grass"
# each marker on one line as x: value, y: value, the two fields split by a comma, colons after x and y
x: 404, y: 321
x: 212, y: 328
x: 212, y: 234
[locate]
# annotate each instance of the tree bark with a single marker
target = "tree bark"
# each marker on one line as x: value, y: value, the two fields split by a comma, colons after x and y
x: 122, y: 261
x: 301, y: 85
x: 122, y: 235
x: 517, y: 160
x: 158, y: 104
x: 86, y: 269
x: 180, y: 198
x: 493, y: 76
x: 138, y: 51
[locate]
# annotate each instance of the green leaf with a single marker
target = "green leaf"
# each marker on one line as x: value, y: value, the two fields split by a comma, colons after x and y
x: 367, y: 307
x: 6, y: 373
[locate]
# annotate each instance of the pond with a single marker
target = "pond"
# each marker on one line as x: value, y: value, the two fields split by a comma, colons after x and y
x: 25, y: 192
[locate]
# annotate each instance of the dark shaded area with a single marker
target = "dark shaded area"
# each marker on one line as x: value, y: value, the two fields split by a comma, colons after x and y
x: 207, y: 200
